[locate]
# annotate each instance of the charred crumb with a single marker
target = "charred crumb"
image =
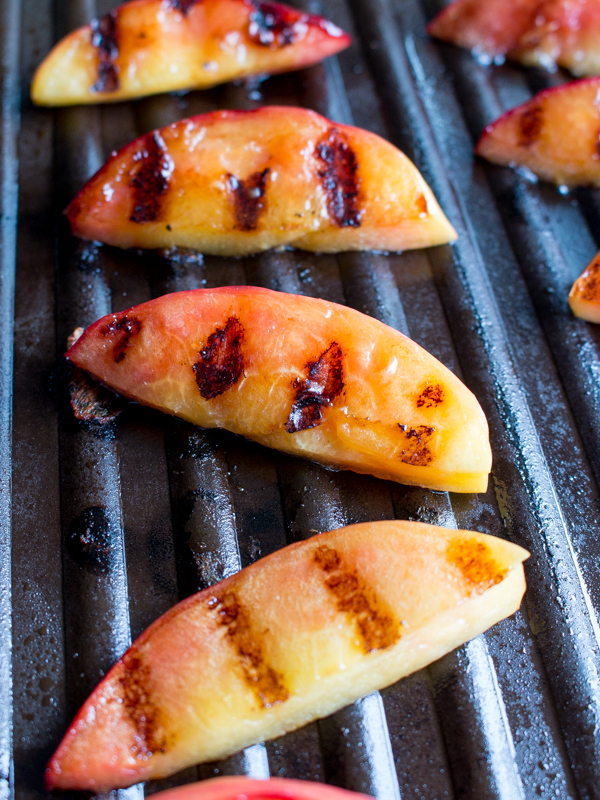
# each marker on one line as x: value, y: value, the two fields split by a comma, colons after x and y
x: 416, y: 448
x: 92, y: 403
x: 249, y: 198
x: 531, y: 125
x: 105, y: 40
x: 221, y: 362
x: 323, y: 384
x: 431, y: 397
x: 267, y: 684
x: 272, y: 25
x: 376, y: 624
x: 339, y: 179
x: 122, y: 331
x: 151, y: 180
x: 90, y: 540
x: 148, y: 733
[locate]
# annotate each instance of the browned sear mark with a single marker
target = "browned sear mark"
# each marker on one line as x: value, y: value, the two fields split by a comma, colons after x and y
x: 250, y: 198
x: 266, y: 683
x: 221, y: 362
x: 272, y: 25
x: 475, y: 561
x: 431, y: 397
x: 339, y: 179
x: 416, y: 449
x: 589, y: 283
x: 151, y: 180
x: 531, y: 124
x: 376, y: 624
x: 105, y: 40
x: 184, y: 5
x: 149, y: 736
x: 122, y: 330
x: 323, y: 384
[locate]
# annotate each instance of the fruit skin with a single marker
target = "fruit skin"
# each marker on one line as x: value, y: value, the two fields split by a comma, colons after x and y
x: 149, y: 46
x: 294, y: 637
x: 299, y: 374
x: 555, y: 135
x: 238, y: 182
x: 241, y: 788
x: 546, y: 34
x: 584, y: 297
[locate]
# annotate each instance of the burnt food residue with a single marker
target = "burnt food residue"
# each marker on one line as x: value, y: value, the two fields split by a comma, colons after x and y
x: 266, y: 683
x: 272, y: 25
x: 105, y: 40
x: 376, y: 624
x: 152, y: 178
x: 474, y: 559
x: 90, y: 540
x: 250, y: 199
x: 531, y: 124
x: 122, y: 331
x: 90, y: 402
x: 221, y: 362
x: 431, y: 397
x: 323, y: 384
x: 416, y: 448
x: 338, y: 176
x: 139, y: 705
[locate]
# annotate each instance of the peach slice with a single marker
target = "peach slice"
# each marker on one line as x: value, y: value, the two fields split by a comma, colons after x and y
x: 542, y: 33
x: 298, y: 374
x: 555, y: 135
x: 150, y: 46
x: 584, y: 297
x: 240, y: 788
x: 292, y: 638
x: 237, y: 182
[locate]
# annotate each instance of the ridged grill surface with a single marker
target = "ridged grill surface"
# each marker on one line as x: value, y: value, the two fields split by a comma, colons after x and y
x: 513, y: 714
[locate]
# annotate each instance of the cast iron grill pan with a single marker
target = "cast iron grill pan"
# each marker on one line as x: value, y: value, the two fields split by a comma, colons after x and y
x: 170, y: 509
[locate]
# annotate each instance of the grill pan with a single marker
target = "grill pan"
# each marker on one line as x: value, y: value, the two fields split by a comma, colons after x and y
x: 171, y: 508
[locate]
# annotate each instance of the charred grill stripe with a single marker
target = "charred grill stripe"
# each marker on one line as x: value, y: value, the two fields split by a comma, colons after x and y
x: 221, y: 362
x: 267, y: 684
x: 338, y: 176
x: 249, y: 198
x: 122, y: 330
x: 474, y: 559
x: 531, y: 124
x: 184, y: 5
x: 152, y: 178
x: 377, y: 626
x: 323, y: 385
x: 416, y: 449
x: 273, y: 25
x: 105, y: 40
x: 149, y: 736
x: 431, y: 397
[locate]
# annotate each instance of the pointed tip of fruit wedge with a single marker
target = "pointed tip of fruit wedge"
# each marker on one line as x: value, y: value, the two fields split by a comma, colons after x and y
x: 584, y: 298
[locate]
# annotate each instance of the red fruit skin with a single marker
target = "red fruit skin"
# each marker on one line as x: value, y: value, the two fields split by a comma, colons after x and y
x: 555, y: 135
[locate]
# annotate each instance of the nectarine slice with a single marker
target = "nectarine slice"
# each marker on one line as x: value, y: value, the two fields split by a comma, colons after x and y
x: 150, y: 46
x: 543, y: 33
x: 584, y: 297
x: 555, y: 135
x: 292, y: 638
x: 237, y: 182
x: 240, y: 788
x: 302, y: 375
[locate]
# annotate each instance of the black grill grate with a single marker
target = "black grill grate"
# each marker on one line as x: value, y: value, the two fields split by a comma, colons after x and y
x: 513, y: 714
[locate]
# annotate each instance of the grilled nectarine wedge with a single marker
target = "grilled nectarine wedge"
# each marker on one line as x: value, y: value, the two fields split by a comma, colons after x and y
x: 236, y: 182
x: 543, y: 33
x: 292, y: 638
x: 150, y: 46
x: 302, y: 375
x: 555, y: 135
x: 584, y: 297
x: 240, y: 788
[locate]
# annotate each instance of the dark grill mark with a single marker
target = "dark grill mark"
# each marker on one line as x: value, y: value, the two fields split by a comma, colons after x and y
x: 91, y: 402
x: 589, y: 282
x: 266, y: 683
x: 376, y: 624
x: 272, y: 25
x: 221, y: 362
x: 152, y: 178
x: 184, y: 5
x: 323, y: 385
x: 149, y: 736
x: 122, y: 330
x: 532, y: 122
x: 339, y: 179
x: 416, y: 450
x: 250, y: 199
x: 475, y: 561
x: 104, y: 39
x: 90, y: 540
x: 431, y: 397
